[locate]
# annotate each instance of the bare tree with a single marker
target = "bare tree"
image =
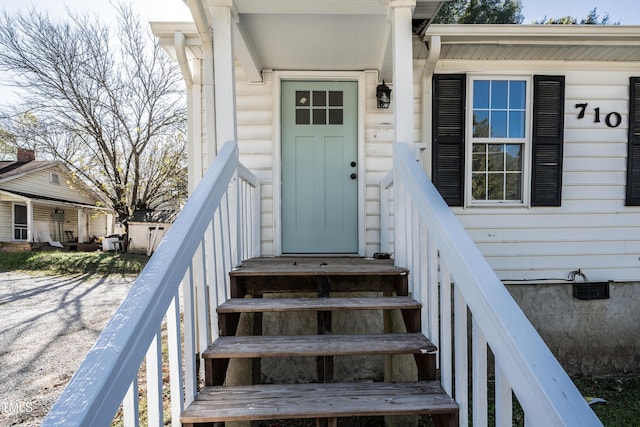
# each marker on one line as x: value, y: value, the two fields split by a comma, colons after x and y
x: 106, y: 103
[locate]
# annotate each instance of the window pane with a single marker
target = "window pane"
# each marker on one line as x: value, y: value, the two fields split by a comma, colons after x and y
x: 495, y: 162
x: 481, y: 94
x: 479, y: 158
x: 498, y: 124
x: 495, y: 186
x: 499, y: 93
x: 302, y: 98
x: 319, y: 116
x: 303, y: 116
x: 478, y: 186
x: 480, y: 123
x: 335, y: 116
x: 513, y: 186
x: 517, y: 94
x: 513, y: 161
x: 516, y: 124
x: 335, y: 98
x: 319, y: 98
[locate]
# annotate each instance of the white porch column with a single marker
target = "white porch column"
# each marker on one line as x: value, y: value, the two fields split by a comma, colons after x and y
x: 82, y: 231
x: 29, y: 221
x: 224, y: 68
x: 402, y: 48
x: 192, y: 74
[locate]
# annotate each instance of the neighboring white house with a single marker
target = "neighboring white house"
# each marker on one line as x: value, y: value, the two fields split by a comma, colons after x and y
x: 527, y: 132
x: 42, y: 203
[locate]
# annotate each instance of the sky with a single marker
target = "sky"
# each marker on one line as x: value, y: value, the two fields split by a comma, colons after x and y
x: 627, y: 12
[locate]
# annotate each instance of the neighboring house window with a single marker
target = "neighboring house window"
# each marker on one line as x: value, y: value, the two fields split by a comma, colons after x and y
x: 55, y: 178
x: 496, y: 124
x: 633, y: 158
x: 19, y: 222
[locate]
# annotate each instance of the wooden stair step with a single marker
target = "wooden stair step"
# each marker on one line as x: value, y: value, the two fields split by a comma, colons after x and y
x: 265, y: 305
x: 312, y: 266
x: 329, y: 400
x: 319, y: 345
x: 323, y: 275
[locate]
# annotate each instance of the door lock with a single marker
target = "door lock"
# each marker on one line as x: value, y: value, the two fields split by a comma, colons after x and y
x: 354, y: 176
x: 353, y: 164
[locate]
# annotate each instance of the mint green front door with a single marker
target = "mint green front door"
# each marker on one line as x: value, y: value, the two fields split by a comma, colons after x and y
x: 319, y: 167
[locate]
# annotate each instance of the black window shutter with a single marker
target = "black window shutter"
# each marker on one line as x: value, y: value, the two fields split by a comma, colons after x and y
x: 448, y: 136
x: 548, y: 136
x: 633, y: 155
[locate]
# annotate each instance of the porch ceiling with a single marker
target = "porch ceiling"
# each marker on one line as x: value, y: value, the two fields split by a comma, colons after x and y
x: 309, y: 34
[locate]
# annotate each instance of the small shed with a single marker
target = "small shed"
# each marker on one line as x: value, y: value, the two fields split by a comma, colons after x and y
x: 147, y: 228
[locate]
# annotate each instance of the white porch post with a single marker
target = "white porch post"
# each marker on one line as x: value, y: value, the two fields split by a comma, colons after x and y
x: 402, y: 48
x: 29, y: 221
x: 224, y: 68
x: 192, y: 79
x: 82, y: 231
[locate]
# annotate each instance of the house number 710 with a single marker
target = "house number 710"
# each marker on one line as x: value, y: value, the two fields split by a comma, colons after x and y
x: 612, y: 119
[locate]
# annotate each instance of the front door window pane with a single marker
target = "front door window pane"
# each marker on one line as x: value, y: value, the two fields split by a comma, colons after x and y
x: 319, y: 107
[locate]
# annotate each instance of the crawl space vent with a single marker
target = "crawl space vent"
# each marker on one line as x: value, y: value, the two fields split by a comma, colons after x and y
x: 591, y: 290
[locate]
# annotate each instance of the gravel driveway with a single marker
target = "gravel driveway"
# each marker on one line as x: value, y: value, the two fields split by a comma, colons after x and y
x: 47, y: 325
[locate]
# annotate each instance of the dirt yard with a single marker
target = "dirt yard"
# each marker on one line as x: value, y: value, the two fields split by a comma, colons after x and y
x: 47, y: 325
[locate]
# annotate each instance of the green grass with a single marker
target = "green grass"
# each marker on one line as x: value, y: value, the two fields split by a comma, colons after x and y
x: 73, y: 262
x: 622, y: 393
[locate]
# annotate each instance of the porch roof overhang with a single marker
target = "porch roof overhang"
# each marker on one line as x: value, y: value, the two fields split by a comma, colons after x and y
x: 15, y: 196
x: 302, y: 35
x: 614, y: 43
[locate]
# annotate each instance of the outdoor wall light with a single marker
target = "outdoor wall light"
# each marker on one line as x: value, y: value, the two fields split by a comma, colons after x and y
x: 383, y: 95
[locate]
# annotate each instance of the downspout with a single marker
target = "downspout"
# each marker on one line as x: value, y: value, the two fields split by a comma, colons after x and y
x: 433, y: 45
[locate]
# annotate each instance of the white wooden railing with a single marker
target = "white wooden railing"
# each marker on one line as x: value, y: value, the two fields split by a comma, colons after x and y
x: 453, y: 281
x: 182, y: 284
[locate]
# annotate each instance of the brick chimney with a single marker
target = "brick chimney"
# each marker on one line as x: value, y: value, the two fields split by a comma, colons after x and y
x: 25, y: 155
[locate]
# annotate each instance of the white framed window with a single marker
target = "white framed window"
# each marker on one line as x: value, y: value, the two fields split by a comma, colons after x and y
x: 498, y: 140
x: 54, y: 178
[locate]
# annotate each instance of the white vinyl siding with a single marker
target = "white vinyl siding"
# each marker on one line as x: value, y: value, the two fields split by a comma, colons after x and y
x: 6, y: 218
x: 592, y: 230
x: 39, y: 183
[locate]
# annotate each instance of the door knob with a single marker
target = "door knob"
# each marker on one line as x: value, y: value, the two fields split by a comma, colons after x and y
x: 354, y: 176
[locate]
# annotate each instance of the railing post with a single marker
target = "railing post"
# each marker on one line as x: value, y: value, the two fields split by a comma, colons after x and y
x: 130, y: 409
x: 479, y: 374
x: 154, y: 382
x: 504, y: 416
x: 175, y: 358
